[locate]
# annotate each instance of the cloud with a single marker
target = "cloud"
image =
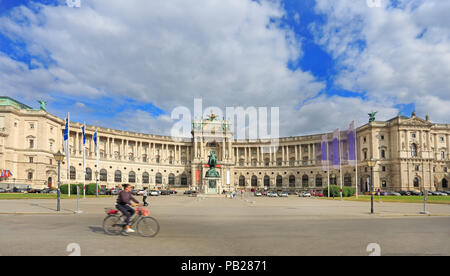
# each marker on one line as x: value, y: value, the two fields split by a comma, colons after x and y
x: 396, y: 54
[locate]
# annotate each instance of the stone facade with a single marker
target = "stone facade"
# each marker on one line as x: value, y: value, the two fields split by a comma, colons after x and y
x: 411, y: 153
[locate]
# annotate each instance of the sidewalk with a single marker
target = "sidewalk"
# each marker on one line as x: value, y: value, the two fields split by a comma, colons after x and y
x: 34, y: 207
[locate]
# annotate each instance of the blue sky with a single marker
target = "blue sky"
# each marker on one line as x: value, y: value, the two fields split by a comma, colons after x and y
x: 328, y: 75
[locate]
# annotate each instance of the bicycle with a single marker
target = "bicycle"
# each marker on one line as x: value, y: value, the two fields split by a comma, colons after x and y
x: 146, y: 226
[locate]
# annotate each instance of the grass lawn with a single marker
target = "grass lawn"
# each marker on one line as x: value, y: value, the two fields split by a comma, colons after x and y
x: 404, y: 199
x: 43, y: 196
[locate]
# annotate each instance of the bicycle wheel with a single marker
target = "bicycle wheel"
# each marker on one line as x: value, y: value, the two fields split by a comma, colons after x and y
x: 147, y: 227
x: 113, y: 225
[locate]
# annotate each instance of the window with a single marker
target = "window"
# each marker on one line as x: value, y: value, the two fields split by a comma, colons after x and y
x: 117, y: 176
x: 416, y: 182
x: 184, y: 180
x: 445, y: 169
x: 442, y: 139
x: 51, y: 146
x: 413, y: 135
x: 254, y: 181
x: 266, y: 181
x: 383, y: 184
x: 305, y: 180
x: 30, y: 176
x: 444, y: 183
x: 382, y: 137
x: 88, y: 174
x: 158, y: 179
x: 383, y: 154
x: 443, y: 155
x: 31, y: 126
x: 145, y: 178
x: 242, y: 181
x: 364, y: 139
x: 347, y: 180
x: 31, y: 144
x: 383, y: 168
x: 279, y: 181
x: 51, y: 161
x: 132, y: 177
x: 103, y: 175
x: 171, y: 179
x: 318, y: 181
x: 30, y: 159
x: 73, y: 173
x: 417, y: 168
x: 292, y: 181
x: 414, y: 150
x: 15, y: 124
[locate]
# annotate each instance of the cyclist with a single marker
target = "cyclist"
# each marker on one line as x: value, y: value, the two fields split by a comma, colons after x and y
x: 123, y: 201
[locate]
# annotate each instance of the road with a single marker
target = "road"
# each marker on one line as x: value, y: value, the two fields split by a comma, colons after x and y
x: 219, y: 227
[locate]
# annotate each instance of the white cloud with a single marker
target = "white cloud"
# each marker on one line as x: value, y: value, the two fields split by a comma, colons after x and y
x: 405, y: 56
x: 230, y: 53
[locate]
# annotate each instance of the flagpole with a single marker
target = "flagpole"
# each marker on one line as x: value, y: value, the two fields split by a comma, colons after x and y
x: 68, y: 151
x: 340, y: 162
x: 356, y: 160
x: 328, y: 164
x: 84, y: 160
x: 97, y: 155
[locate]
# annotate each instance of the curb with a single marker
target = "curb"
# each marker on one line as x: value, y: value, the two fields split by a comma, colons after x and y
x: 36, y: 213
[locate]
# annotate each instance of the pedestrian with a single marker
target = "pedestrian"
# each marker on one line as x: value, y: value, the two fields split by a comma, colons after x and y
x: 145, y: 194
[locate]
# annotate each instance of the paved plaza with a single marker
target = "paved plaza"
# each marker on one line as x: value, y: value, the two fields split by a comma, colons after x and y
x: 221, y: 226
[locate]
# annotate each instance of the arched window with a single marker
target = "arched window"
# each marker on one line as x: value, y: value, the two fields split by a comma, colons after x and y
x: 348, y: 180
x: 292, y: 181
x: 171, y: 179
x: 254, y: 181
x: 88, y: 174
x: 414, y: 150
x: 158, y: 179
x: 416, y: 182
x: 145, y: 178
x: 73, y: 173
x: 279, y: 181
x: 444, y: 183
x: 318, y: 181
x: 117, y: 176
x: 266, y: 181
x: 305, y: 180
x: 132, y: 177
x: 242, y: 181
x: 183, y: 180
x: 103, y: 175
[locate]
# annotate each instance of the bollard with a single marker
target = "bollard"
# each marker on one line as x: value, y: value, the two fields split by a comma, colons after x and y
x: 78, y: 201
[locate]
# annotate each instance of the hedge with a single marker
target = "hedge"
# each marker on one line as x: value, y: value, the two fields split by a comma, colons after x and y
x: 334, y: 191
x: 90, y: 189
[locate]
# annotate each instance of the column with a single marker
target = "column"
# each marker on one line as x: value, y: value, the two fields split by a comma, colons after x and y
x: 296, y: 154
x: 436, y: 146
x: 314, y: 154
x: 245, y: 156
x: 283, y: 157
x: 301, y: 154
x: 448, y: 145
x: 257, y: 156
x: 229, y: 148
x: 201, y: 147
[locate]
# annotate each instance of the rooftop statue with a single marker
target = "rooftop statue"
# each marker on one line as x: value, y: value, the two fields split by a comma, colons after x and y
x: 372, y: 116
x: 43, y: 105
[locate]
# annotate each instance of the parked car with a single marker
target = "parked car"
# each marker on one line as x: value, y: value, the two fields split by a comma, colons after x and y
x: 53, y: 192
x: 272, y: 194
x: 405, y: 193
x: 164, y: 192
x: 284, y: 194
x: 439, y: 193
x: 187, y: 192
x: 446, y: 192
x: 2, y: 190
x: 305, y: 194
x: 320, y: 194
x: 258, y: 194
x: 115, y: 191
x: 173, y: 192
x: 415, y: 193
x: 154, y: 193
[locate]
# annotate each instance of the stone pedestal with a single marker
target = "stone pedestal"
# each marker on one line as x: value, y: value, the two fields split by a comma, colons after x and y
x: 212, y: 185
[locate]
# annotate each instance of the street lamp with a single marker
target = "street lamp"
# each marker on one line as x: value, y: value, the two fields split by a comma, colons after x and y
x: 96, y: 182
x: 59, y: 157
x: 371, y: 163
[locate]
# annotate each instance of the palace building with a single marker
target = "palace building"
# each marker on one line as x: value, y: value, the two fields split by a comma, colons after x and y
x: 411, y: 153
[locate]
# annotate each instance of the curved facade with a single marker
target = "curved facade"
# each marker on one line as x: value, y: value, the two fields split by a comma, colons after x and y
x: 412, y: 154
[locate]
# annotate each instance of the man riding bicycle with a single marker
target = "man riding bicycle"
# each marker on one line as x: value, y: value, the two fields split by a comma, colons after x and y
x: 123, y: 201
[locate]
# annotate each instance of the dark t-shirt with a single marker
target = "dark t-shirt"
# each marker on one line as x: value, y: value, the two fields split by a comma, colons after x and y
x: 124, y: 198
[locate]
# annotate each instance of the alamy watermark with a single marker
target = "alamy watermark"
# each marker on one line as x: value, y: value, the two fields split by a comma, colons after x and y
x: 251, y: 123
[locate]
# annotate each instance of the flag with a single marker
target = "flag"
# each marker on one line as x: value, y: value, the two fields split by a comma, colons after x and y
x: 95, y: 138
x: 83, y: 133
x: 67, y: 146
x: 324, y: 148
x: 351, y: 138
x: 336, y: 150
